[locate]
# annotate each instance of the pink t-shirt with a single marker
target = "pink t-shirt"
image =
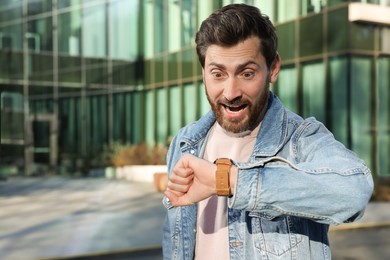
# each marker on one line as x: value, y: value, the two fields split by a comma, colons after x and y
x: 212, y: 238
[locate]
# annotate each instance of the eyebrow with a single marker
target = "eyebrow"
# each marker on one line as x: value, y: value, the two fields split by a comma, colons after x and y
x: 239, y: 67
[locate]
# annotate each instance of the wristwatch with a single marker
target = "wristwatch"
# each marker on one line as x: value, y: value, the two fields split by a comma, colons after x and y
x: 222, y: 176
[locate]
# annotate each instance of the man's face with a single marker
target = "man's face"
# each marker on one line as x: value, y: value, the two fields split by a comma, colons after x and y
x: 237, y: 84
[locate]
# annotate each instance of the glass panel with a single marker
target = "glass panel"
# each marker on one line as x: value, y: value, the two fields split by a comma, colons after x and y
x: 139, y: 117
x: 162, y: 116
x: 159, y: 69
x: 287, y: 10
x: 175, y: 110
x: 159, y: 28
x: 310, y: 43
x: 150, y: 117
x: 94, y: 41
x: 41, y: 137
x: 148, y: 29
x: 362, y: 36
x: 338, y: 30
x: 287, y: 88
x: 339, y: 100
x: 312, y: 6
x: 12, y: 113
x: 174, y: 25
x: 11, y: 37
x: 123, y: 73
x: 118, y: 118
x: 99, y: 121
x: 40, y: 67
x: 188, y: 23
x: 187, y: 63
x: 286, y: 34
x: 124, y: 29
x: 266, y: 7
x: 96, y: 71
x: 69, y: 69
x: 313, y: 81
x: 13, y: 68
x: 205, y: 8
x: 38, y: 6
x: 149, y: 77
x: 360, y: 108
x: 172, y: 66
x: 204, y: 103
x: 384, y: 39
x: 129, y: 117
x: 69, y: 35
x: 190, y: 103
x: 67, y: 3
x: 39, y: 35
x: 11, y: 10
x: 383, y: 77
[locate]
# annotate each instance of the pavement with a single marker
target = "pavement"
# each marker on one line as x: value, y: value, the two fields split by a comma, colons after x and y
x: 98, y: 218
x: 49, y: 218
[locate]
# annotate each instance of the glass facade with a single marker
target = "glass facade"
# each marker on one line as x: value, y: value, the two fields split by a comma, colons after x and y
x: 92, y: 73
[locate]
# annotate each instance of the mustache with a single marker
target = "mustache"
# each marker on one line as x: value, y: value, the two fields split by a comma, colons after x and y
x: 237, y: 101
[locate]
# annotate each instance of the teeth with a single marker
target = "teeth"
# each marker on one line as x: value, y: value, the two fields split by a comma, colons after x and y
x: 235, y: 109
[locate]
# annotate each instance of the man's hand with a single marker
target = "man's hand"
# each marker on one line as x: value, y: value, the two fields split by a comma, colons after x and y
x: 192, y: 180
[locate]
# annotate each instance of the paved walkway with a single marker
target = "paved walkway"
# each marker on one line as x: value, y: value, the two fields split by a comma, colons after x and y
x: 46, y: 218
x: 57, y: 217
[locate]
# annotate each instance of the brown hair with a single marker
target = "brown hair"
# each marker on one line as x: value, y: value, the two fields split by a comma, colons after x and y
x: 233, y: 24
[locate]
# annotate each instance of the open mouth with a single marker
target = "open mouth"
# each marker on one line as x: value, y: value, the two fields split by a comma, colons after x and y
x: 234, y: 108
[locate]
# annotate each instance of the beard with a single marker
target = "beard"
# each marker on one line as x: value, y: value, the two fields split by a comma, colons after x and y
x: 254, y: 115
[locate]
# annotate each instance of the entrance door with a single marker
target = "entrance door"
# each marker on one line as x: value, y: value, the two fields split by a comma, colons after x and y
x: 42, y: 150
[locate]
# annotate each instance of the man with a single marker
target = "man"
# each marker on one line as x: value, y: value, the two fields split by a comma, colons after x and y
x: 283, y: 180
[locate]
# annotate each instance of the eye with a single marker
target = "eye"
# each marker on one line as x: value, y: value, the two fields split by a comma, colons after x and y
x: 217, y: 74
x: 248, y: 74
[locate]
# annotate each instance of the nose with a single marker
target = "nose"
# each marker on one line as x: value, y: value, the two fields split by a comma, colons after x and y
x: 232, y: 89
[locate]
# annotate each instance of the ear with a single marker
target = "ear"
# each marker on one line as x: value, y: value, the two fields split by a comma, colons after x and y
x: 275, y: 68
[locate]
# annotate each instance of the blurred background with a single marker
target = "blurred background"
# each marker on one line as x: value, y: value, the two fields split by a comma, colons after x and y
x: 91, y: 86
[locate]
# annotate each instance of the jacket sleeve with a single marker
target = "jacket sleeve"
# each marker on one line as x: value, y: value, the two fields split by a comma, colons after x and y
x: 318, y: 179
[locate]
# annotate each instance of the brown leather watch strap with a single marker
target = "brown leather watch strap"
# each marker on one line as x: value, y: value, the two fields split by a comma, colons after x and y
x: 222, y: 176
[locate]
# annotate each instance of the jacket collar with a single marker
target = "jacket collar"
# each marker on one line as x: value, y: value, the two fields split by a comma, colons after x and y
x: 269, y: 141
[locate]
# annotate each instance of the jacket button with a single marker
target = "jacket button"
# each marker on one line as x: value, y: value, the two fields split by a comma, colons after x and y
x: 236, y: 243
x: 192, y: 151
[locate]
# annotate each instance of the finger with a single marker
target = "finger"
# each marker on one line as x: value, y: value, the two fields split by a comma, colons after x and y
x: 179, y: 187
x: 177, y: 200
x: 181, y: 180
x: 182, y: 171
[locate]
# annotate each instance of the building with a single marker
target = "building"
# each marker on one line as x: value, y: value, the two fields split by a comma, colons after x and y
x: 78, y: 75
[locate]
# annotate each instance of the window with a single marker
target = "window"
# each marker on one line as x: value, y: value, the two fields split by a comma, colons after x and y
x: 383, y: 67
x: 287, y: 10
x: 189, y: 103
x: 311, y: 43
x: 188, y: 23
x: 175, y: 110
x: 94, y: 41
x: 69, y: 33
x: 313, y: 81
x: 150, y: 117
x: 174, y: 25
x: 287, y: 88
x: 123, y: 40
x: 361, y: 108
x: 338, y: 69
x: 161, y: 116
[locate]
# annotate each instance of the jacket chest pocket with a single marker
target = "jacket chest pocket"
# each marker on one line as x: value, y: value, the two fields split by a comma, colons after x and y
x: 273, y: 235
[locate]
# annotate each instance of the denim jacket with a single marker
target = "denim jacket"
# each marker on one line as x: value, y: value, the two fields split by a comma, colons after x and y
x: 297, y: 182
